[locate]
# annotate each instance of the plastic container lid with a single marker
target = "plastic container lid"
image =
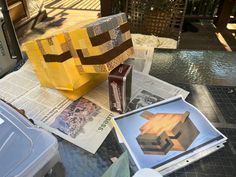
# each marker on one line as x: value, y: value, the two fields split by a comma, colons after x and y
x: 24, y: 149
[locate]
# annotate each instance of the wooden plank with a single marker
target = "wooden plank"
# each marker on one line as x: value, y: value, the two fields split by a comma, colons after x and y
x: 67, y: 4
x: 56, y: 5
x: 82, y: 4
x: 17, y: 11
x: 91, y: 5
x: 97, y: 5
x: 225, y: 12
x: 86, y: 4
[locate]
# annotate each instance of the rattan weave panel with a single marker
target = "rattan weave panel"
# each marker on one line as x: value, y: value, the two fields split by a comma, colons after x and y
x: 162, y: 18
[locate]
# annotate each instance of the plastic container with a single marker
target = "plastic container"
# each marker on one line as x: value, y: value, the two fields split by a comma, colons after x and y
x: 25, y: 150
x: 7, y: 63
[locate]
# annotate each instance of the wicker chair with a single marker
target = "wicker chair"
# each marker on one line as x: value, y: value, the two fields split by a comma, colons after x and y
x: 163, y: 18
x: 110, y: 7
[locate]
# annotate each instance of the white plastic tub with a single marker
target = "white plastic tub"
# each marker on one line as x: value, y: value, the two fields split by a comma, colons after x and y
x: 25, y: 150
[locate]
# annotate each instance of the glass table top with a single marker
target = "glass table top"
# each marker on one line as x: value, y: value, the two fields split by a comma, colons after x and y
x: 210, y: 76
x: 195, y: 67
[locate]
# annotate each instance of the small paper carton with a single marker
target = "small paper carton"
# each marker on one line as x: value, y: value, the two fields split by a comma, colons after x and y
x: 119, y: 81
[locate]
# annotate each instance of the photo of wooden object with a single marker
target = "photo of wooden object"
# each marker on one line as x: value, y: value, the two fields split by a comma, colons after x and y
x: 152, y: 144
x: 166, y: 132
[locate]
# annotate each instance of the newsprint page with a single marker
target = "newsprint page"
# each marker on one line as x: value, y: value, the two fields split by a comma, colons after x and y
x: 86, y: 121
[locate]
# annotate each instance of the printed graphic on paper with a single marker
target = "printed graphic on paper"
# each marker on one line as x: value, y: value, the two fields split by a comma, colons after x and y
x: 166, y: 132
x: 75, y: 116
x: 143, y: 98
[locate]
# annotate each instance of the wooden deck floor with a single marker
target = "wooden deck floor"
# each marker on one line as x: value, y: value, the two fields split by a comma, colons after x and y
x: 73, y: 4
x: 205, y: 36
x: 65, y: 13
x: 62, y: 14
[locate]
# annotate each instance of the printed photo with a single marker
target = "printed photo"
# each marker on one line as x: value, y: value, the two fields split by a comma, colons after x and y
x: 143, y: 98
x: 75, y: 116
x: 165, y: 131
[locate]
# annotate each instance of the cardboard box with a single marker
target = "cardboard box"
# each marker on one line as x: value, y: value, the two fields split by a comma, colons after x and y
x: 120, y: 81
x: 82, y: 90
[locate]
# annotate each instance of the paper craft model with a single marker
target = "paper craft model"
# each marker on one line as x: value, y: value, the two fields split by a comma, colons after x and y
x: 166, y: 132
x: 101, y: 46
x: 77, y: 59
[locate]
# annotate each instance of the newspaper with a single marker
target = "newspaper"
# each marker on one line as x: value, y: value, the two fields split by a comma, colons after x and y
x: 146, y: 90
x: 16, y: 84
x: 85, y: 122
x: 45, y: 106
